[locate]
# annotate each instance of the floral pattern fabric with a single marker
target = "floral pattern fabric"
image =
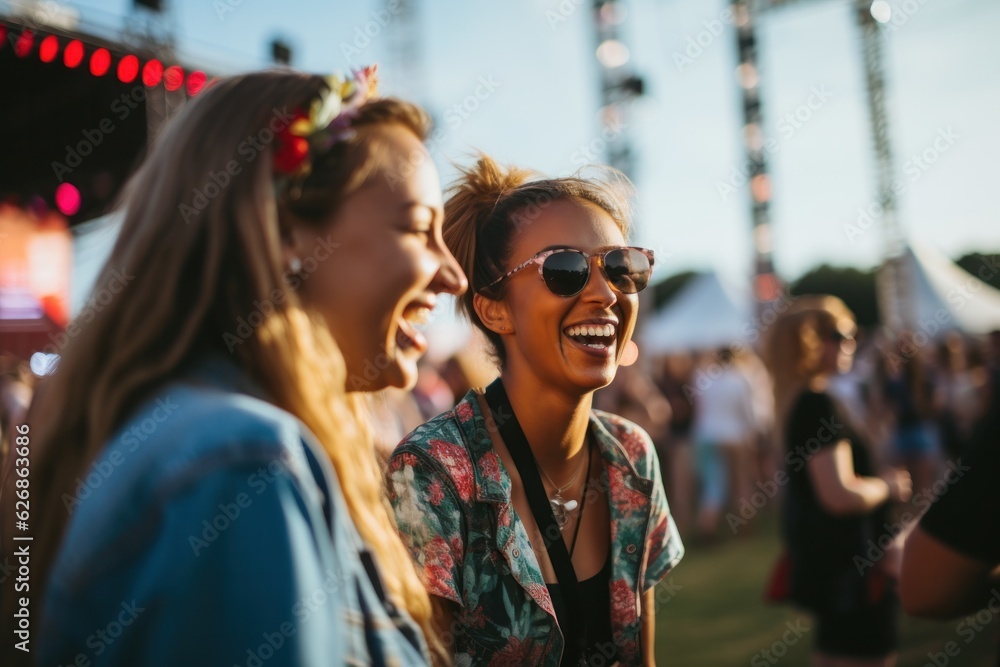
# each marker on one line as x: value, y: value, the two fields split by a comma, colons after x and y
x: 452, y: 498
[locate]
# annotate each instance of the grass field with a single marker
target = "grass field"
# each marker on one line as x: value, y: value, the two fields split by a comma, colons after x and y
x: 716, y: 616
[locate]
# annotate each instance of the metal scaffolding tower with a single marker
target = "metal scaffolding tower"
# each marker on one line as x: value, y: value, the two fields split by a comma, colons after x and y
x: 405, y: 67
x: 893, y: 286
x: 766, y: 287
x: 619, y: 84
x: 893, y: 293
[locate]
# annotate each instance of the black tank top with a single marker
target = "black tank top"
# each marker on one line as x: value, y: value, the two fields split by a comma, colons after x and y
x: 596, y: 638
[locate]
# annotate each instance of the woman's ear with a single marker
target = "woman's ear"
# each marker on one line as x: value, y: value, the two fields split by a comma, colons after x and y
x: 296, y: 242
x: 493, y: 314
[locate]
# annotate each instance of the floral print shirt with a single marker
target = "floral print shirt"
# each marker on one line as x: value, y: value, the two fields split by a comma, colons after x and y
x: 452, y: 498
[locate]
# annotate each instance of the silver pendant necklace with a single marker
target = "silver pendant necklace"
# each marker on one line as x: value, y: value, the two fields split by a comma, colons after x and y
x: 560, y: 506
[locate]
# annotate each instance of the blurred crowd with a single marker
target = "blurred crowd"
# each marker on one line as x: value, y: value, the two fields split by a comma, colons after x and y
x: 711, y: 413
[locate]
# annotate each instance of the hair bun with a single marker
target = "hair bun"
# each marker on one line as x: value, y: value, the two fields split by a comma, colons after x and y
x: 480, y: 187
x: 472, y: 200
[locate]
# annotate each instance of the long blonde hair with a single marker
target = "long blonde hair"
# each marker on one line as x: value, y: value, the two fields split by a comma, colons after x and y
x: 793, y: 349
x: 196, y: 270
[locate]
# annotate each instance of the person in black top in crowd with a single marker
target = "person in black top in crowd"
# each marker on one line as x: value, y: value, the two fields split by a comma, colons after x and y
x: 911, y: 397
x: 951, y: 562
x: 836, y: 505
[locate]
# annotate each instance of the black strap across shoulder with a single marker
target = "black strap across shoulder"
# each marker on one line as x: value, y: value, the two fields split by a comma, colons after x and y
x: 569, y: 616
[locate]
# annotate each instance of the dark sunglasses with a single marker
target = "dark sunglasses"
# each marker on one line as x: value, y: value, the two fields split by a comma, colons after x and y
x: 566, y: 271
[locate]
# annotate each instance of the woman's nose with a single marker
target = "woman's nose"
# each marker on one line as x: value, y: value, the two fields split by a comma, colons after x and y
x: 450, y: 278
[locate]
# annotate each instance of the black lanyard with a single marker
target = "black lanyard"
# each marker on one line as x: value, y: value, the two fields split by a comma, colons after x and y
x: 568, y: 610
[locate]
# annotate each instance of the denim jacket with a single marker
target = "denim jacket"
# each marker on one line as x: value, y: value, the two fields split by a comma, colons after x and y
x: 211, y: 531
x: 452, y: 497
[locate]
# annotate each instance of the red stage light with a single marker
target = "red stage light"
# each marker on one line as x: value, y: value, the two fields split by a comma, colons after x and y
x: 195, y: 83
x: 73, y: 55
x: 68, y: 199
x: 152, y: 73
x: 128, y: 69
x: 48, y: 49
x: 22, y: 46
x: 3, y: 35
x: 173, y: 78
x: 100, y: 62
x: 760, y: 188
x: 766, y: 287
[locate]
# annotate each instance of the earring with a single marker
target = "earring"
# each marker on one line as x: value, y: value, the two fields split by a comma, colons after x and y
x: 630, y: 354
x: 295, y: 265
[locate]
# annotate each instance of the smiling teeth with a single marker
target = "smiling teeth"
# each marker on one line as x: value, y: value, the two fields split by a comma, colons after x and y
x: 418, y: 316
x: 606, y: 330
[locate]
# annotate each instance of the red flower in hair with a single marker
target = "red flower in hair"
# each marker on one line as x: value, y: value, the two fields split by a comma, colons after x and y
x: 327, y: 121
x: 291, y: 149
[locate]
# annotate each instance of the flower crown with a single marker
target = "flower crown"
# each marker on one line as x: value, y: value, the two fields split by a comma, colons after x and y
x: 327, y: 122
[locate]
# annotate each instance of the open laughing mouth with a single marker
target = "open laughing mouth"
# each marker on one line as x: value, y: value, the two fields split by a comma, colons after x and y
x: 408, y: 336
x: 597, y: 338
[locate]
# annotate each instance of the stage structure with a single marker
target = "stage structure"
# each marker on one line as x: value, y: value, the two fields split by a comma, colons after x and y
x: 405, y: 75
x: 766, y: 287
x: 79, y: 112
x: 895, y: 301
x: 619, y: 84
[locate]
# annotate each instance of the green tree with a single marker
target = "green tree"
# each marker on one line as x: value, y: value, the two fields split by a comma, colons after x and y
x: 667, y: 289
x: 986, y: 267
x: 855, y: 287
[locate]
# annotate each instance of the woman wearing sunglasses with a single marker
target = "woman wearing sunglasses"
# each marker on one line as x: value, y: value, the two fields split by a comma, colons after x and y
x: 205, y: 491
x: 837, y: 505
x: 540, y: 524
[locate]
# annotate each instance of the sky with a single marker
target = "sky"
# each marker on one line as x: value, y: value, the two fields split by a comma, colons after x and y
x: 527, y: 89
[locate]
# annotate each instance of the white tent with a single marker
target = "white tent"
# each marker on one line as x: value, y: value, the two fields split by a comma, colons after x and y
x: 945, y: 297
x: 705, y: 314
x: 92, y: 244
